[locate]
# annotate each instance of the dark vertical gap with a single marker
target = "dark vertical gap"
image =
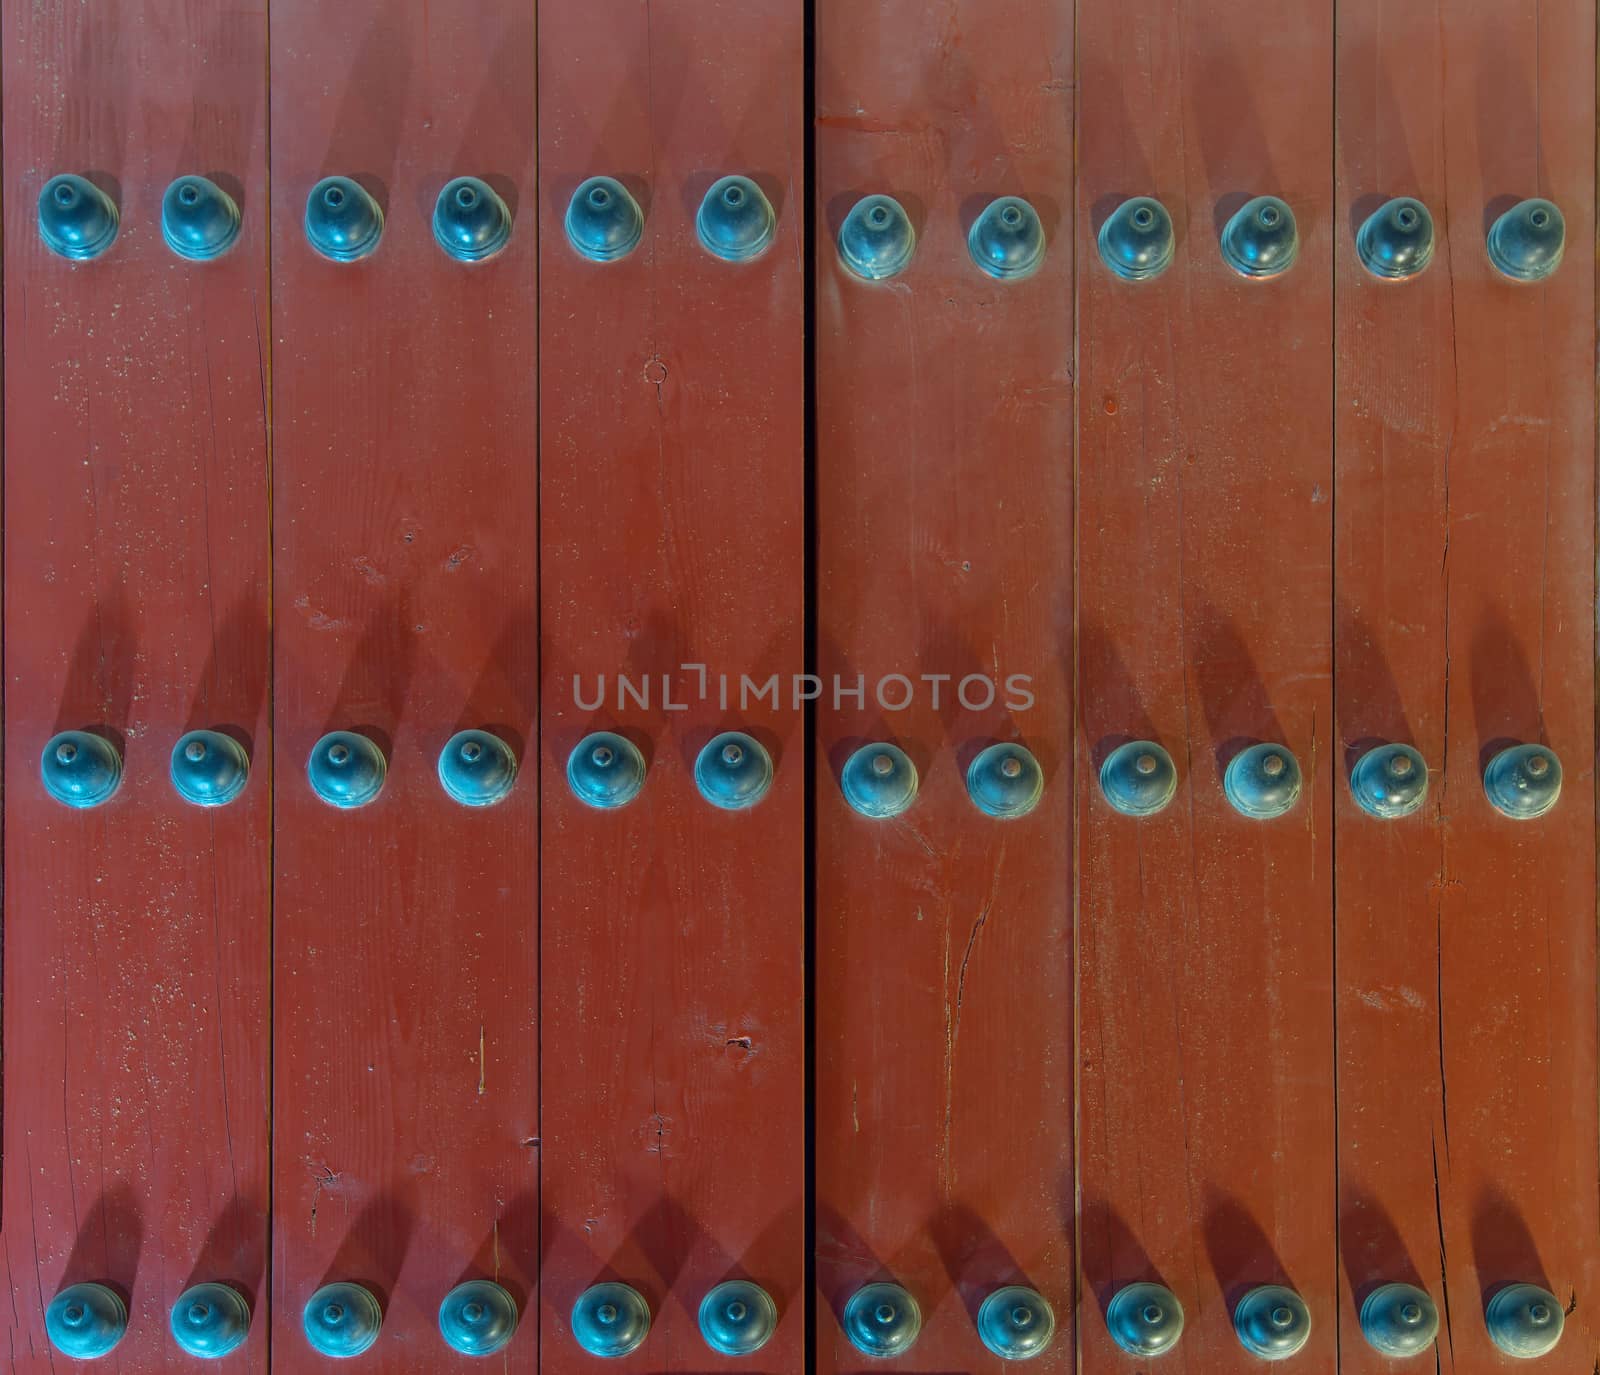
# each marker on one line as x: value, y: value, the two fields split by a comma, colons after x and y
x: 1073, y: 853
x: 1333, y: 642
x: 535, y: 751
x: 809, y: 732
x: 272, y: 716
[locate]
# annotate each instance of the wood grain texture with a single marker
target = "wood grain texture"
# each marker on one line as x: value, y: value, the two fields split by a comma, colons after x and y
x: 404, y: 386
x: 136, y: 935
x: 1206, y: 1113
x: 1396, y: 447
x: 944, y: 1008
x: 672, y: 534
x: 1516, y: 960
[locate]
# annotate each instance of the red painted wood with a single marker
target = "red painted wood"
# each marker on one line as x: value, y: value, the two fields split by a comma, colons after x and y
x: 406, y: 1037
x: 1206, y: 1116
x: 944, y: 982
x: 1516, y: 958
x: 1396, y: 449
x: 671, y: 421
x: 136, y: 935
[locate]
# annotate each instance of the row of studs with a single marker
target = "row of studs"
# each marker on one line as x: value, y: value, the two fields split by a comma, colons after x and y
x: 200, y: 221
x: 737, y: 1318
x: 1146, y: 1320
x: 734, y: 771
x: 477, y: 1318
x: 1388, y: 781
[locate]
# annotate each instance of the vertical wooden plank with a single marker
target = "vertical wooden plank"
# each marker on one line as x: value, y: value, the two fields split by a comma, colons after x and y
x: 944, y: 974
x: 1397, y: 448
x: 404, y: 415
x: 136, y: 503
x: 1517, y: 930
x: 1205, y: 606
x: 671, y: 536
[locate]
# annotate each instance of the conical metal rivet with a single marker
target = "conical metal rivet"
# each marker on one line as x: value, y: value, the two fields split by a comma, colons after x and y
x: 470, y: 221
x: 210, y: 1321
x: 603, y: 221
x: 1261, y: 240
x: 77, y: 219
x: 1145, y: 1319
x: 343, y: 220
x: 737, y: 1318
x: 478, y: 1318
x: 199, y: 220
x: 85, y: 1321
x: 1527, y: 242
x: 342, y: 1320
x: 882, y: 1320
x: 1007, y: 239
x: 1016, y: 1323
x: 876, y: 240
x: 610, y: 1320
x: 1137, y: 241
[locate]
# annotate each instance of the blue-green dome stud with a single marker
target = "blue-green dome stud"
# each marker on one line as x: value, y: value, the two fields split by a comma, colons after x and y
x: 343, y: 221
x: 1523, y: 782
x: 610, y: 1320
x: 737, y: 1318
x: 209, y: 769
x: 1399, y: 1320
x: 199, y: 220
x: 477, y: 768
x: 346, y: 769
x: 77, y: 220
x: 1261, y: 239
x: 1007, y: 239
x: 1525, y: 1321
x: 879, y: 781
x: 1016, y: 1323
x: 603, y: 221
x: 210, y: 1321
x: 733, y: 771
x: 342, y: 1320
x: 1136, y: 241
x: 736, y: 221
x: 80, y: 769
x: 882, y: 1320
x: 1005, y: 781
x: 1145, y: 1319
x: 470, y: 221
x: 85, y: 1321
x: 1526, y: 243
x: 1272, y: 1322
x: 606, y: 770
x: 877, y: 240
x: 478, y: 1318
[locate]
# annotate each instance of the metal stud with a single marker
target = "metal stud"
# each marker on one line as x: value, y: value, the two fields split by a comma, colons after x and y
x: 1399, y: 1320
x: 1005, y: 781
x: 1524, y: 1320
x: 1016, y: 1323
x: 209, y: 769
x: 877, y: 239
x: 1007, y: 240
x: 1262, y: 782
x: 1389, y: 781
x: 1527, y: 241
x: 477, y: 768
x: 210, y: 1321
x: 342, y: 1320
x: 1145, y: 1319
x: 84, y: 1321
x: 77, y: 219
x: 477, y: 1318
x: 610, y: 1319
x: 1139, y: 778
x: 1272, y: 1322
x: 470, y: 221
x: 346, y: 769
x: 1136, y: 241
x: 1523, y: 781
x: 604, y: 222
x: 1261, y: 239
x: 882, y: 1320
x: 605, y: 770
x: 199, y: 220
x: 79, y: 769
x: 737, y: 1317
x: 1396, y: 239
x: 733, y: 771
x: 879, y: 780
x: 344, y: 222
x: 736, y: 221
